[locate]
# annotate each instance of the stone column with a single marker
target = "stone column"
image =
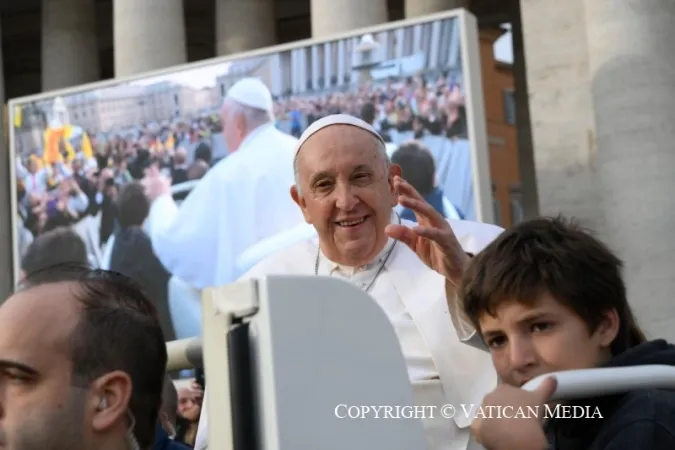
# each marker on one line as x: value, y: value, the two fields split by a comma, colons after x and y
x: 562, y: 125
x: 6, y: 235
x: 632, y: 81
x: 416, y: 8
x: 69, y: 43
x: 148, y: 35
x: 330, y: 17
x: 244, y: 25
x: 526, y: 168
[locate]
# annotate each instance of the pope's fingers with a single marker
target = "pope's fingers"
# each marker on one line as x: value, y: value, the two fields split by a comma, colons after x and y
x: 405, y: 188
x: 423, y: 208
x: 401, y: 233
x: 444, y: 238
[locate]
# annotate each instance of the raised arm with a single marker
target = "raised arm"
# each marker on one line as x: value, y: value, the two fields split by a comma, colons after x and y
x: 193, y: 242
x: 435, y: 243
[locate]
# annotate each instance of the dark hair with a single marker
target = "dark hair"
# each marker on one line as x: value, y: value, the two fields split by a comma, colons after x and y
x: 368, y: 113
x: 557, y: 257
x: 58, y: 246
x: 118, y: 330
x: 132, y: 204
x: 203, y: 152
x: 417, y: 166
x: 170, y: 399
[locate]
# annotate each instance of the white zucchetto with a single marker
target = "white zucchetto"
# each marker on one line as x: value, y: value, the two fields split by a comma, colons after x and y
x: 251, y: 92
x: 335, y: 119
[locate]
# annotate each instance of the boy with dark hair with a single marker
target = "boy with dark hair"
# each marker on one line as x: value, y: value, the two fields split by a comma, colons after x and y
x: 547, y: 296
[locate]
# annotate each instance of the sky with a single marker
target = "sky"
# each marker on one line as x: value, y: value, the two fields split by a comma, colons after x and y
x: 503, y: 48
x: 198, y: 78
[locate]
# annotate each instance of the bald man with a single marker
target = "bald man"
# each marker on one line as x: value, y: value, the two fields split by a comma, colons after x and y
x: 239, y: 202
x: 345, y: 187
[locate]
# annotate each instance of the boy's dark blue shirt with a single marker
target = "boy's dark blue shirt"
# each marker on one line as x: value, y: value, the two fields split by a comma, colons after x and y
x: 640, y: 420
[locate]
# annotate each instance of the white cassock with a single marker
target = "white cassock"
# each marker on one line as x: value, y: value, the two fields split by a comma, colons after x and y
x: 442, y: 369
x: 241, y: 200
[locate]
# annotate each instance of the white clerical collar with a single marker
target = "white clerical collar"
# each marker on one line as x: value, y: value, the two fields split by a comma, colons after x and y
x: 330, y: 266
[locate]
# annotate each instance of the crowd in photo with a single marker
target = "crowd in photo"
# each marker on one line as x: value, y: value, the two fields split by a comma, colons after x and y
x: 83, y: 177
x: 404, y: 109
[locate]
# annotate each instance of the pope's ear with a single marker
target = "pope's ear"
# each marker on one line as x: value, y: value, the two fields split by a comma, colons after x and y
x: 295, y: 195
x: 300, y: 201
x: 395, y: 171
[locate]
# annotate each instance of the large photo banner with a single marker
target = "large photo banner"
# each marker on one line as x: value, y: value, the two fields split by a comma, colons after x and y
x: 74, y: 151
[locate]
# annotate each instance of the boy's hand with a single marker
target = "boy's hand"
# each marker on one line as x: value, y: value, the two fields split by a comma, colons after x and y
x: 511, y: 430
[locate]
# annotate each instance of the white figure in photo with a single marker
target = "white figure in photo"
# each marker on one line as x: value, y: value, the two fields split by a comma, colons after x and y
x: 241, y: 200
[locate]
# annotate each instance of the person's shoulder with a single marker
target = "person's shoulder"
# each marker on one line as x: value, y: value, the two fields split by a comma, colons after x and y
x: 283, y: 254
x: 164, y: 442
x: 284, y: 138
x: 171, y: 445
x: 474, y: 236
x: 233, y: 169
x: 645, y: 418
x: 648, y: 404
x: 471, y: 226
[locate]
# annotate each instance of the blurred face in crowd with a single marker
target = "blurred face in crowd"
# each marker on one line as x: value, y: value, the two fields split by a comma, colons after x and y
x: 530, y: 340
x: 346, y: 191
x: 42, y: 405
x: 76, y: 165
x: 189, y: 404
x: 32, y: 166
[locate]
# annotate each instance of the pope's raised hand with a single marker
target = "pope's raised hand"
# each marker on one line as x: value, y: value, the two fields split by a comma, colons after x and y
x: 432, y: 240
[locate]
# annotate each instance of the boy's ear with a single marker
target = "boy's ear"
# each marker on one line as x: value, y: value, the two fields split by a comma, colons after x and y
x: 608, y: 328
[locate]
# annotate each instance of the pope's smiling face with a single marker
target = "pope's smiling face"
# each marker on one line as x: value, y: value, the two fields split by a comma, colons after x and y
x: 345, y: 190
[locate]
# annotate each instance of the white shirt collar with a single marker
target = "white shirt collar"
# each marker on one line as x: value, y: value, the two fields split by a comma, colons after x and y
x: 329, y: 266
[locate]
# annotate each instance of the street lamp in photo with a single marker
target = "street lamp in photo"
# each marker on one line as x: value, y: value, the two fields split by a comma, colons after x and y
x: 367, y: 56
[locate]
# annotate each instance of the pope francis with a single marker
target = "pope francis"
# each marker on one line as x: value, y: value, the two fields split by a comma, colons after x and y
x: 240, y: 201
x: 346, y: 188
